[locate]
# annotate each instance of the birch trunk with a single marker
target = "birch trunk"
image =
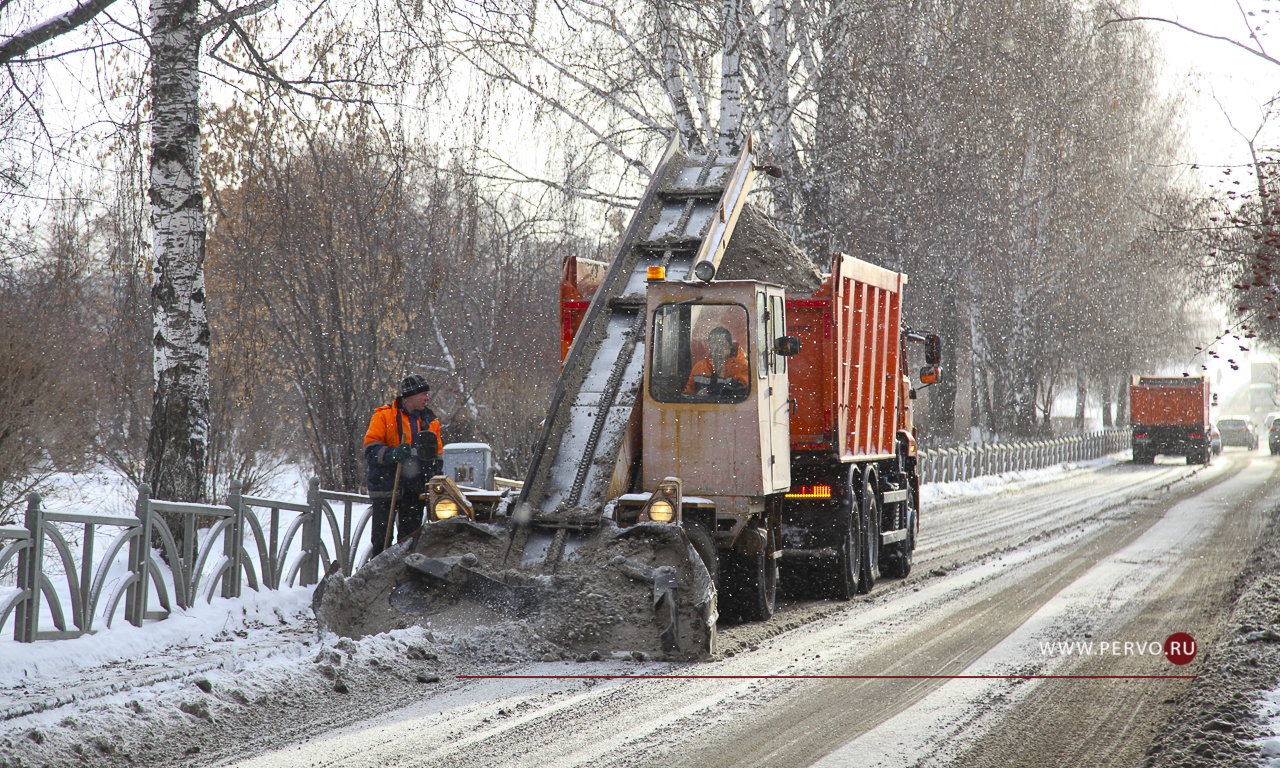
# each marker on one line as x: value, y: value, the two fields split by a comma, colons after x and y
x: 781, y: 145
x: 180, y: 413
x: 673, y: 81
x: 730, y: 78
x: 1122, y: 401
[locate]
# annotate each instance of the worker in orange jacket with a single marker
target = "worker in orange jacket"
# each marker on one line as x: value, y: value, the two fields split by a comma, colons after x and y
x: 405, y: 433
x: 724, y: 374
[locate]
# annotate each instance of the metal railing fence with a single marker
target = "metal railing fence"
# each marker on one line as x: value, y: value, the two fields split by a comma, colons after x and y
x: 965, y: 462
x: 143, y: 560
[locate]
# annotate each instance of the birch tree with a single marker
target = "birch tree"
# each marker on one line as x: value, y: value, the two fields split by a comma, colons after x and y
x: 180, y: 412
x: 348, y: 56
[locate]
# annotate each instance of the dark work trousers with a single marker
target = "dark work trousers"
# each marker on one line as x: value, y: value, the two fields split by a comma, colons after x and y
x: 409, y: 520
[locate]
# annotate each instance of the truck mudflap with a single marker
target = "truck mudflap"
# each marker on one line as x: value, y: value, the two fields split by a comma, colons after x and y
x: 642, y: 589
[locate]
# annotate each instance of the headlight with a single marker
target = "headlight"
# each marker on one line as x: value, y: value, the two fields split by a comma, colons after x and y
x: 445, y: 509
x: 661, y: 511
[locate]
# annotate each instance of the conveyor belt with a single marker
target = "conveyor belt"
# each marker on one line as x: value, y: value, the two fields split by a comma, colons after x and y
x: 685, y: 216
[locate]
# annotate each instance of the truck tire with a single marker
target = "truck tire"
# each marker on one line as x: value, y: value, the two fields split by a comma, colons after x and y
x: 895, y: 559
x: 869, y: 517
x: 842, y: 577
x: 748, y: 583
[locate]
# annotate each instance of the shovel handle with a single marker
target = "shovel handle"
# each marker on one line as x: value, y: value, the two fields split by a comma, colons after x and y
x: 391, y: 513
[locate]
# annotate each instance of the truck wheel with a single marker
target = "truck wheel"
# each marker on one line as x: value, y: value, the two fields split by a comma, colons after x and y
x: 843, y: 579
x: 748, y: 583
x: 869, y: 517
x: 895, y: 559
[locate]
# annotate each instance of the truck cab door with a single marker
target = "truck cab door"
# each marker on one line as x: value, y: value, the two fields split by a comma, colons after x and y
x: 771, y: 374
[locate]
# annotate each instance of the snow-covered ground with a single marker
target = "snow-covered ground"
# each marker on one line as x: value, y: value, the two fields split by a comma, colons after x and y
x: 260, y: 646
x: 987, y: 484
x: 1270, y: 714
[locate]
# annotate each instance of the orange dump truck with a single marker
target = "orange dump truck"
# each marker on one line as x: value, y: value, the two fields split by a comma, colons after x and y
x: 728, y: 420
x: 810, y: 461
x: 1170, y: 417
x: 853, y: 452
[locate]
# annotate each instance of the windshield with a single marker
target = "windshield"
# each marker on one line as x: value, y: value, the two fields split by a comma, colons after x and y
x: 700, y: 353
x: 1231, y: 424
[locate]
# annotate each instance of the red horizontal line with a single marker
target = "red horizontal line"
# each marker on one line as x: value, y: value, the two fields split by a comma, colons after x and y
x: 826, y: 677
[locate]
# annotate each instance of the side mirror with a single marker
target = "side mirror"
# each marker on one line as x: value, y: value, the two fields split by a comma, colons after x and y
x: 787, y: 346
x: 930, y: 374
x: 932, y: 350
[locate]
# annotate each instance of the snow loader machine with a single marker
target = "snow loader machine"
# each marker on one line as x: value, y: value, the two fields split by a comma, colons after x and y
x: 671, y: 488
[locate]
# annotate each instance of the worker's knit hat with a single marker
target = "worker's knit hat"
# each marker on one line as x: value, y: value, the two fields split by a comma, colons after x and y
x: 413, y: 384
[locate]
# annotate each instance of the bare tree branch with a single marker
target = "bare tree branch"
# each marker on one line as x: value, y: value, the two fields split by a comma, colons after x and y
x: 239, y: 13
x: 48, y: 29
x: 1221, y: 38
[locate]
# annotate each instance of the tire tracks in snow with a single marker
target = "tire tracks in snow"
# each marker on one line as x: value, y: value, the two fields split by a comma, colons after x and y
x: 922, y: 625
x: 1074, y: 726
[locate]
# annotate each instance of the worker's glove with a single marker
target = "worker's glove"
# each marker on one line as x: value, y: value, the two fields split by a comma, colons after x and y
x: 399, y: 454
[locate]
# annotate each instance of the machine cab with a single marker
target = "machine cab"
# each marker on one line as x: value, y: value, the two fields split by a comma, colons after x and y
x: 716, y: 411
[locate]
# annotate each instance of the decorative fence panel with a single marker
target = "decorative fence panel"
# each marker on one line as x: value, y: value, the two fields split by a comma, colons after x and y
x: 143, y: 561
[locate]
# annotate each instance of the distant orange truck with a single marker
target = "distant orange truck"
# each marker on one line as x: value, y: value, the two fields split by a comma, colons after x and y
x: 1170, y: 417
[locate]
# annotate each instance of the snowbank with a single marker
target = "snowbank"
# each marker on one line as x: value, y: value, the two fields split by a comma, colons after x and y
x: 257, y: 612
x: 987, y: 484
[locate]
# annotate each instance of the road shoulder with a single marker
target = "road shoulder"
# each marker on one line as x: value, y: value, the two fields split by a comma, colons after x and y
x: 1215, y: 720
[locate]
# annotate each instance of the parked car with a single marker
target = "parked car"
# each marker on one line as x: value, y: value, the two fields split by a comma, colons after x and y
x: 1238, y: 431
x: 1215, y: 441
x: 1273, y: 437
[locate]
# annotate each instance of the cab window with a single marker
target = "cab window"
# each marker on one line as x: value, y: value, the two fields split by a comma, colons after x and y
x: 701, y: 353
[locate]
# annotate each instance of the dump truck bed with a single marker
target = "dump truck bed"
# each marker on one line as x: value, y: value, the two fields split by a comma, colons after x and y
x: 1172, y: 402
x: 845, y: 381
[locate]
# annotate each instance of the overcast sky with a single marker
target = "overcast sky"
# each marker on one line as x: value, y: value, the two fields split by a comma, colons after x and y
x: 1223, y: 84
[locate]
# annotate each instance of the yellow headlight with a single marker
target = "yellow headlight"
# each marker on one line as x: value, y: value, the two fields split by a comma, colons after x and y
x: 661, y: 511
x: 446, y: 508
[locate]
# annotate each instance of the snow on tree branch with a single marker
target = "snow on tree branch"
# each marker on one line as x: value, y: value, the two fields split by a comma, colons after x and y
x: 15, y: 46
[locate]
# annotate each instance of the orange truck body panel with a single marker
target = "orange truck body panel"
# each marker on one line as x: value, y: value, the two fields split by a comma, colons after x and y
x: 1171, y: 402
x: 846, y: 380
x: 579, y: 279
x: 846, y: 383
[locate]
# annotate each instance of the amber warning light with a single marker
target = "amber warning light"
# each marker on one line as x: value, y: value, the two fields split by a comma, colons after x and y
x: 657, y: 273
x: 810, y: 492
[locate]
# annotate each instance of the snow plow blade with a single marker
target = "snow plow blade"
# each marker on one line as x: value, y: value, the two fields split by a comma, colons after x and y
x: 640, y: 589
